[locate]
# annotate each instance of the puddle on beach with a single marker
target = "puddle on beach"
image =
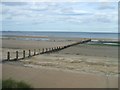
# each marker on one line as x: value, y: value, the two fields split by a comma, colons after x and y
x: 99, y: 42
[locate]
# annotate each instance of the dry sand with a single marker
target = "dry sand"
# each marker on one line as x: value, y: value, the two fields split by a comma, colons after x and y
x: 83, y: 66
x: 50, y: 78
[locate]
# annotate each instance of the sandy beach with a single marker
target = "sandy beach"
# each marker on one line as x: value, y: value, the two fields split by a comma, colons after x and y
x: 80, y: 66
x: 50, y: 78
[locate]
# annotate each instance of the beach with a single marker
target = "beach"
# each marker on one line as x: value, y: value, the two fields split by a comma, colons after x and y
x: 75, y: 67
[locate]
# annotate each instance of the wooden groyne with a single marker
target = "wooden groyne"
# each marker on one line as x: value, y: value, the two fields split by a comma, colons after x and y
x: 40, y: 51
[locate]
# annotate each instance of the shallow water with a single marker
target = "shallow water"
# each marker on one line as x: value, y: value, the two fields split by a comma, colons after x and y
x: 63, y: 34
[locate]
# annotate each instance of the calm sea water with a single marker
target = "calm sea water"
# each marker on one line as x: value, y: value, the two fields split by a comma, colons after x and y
x: 63, y: 34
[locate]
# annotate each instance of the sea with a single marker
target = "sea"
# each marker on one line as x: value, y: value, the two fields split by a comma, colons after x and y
x: 63, y: 34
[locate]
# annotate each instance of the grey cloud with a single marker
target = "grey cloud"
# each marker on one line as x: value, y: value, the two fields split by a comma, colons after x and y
x: 75, y: 14
x: 14, y: 3
x: 106, y: 7
x: 37, y: 9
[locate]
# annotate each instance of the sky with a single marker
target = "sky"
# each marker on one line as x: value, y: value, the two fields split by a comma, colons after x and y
x: 59, y: 16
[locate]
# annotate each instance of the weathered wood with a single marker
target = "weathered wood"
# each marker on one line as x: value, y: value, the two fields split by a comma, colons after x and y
x: 43, y: 50
x: 52, y: 49
x: 39, y: 51
x: 16, y: 55
x: 57, y: 48
x: 49, y: 49
x: 23, y: 54
x: 60, y: 47
x: 46, y: 49
x: 8, y: 56
x: 34, y: 52
x: 29, y: 53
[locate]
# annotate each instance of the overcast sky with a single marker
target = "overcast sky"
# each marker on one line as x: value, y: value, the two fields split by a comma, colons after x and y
x: 60, y: 16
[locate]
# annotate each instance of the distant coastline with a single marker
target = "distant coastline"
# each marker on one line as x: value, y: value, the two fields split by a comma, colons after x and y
x: 61, y: 31
x: 109, y: 35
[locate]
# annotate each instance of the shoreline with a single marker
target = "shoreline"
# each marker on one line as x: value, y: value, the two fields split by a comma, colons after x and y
x: 57, y: 37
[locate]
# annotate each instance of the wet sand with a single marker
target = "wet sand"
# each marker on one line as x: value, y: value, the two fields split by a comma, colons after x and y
x: 23, y: 44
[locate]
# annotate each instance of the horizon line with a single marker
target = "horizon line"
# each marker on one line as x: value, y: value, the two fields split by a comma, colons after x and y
x: 62, y: 31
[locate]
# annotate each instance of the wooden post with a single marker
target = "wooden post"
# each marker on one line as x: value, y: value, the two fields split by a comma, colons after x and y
x: 34, y: 52
x: 43, y: 50
x: 16, y: 55
x: 39, y: 51
x: 29, y: 53
x: 52, y: 49
x: 46, y: 49
x: 23, y: 54
x: 49, y: 49
x: 56, y: 48
x: 8, y: 56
